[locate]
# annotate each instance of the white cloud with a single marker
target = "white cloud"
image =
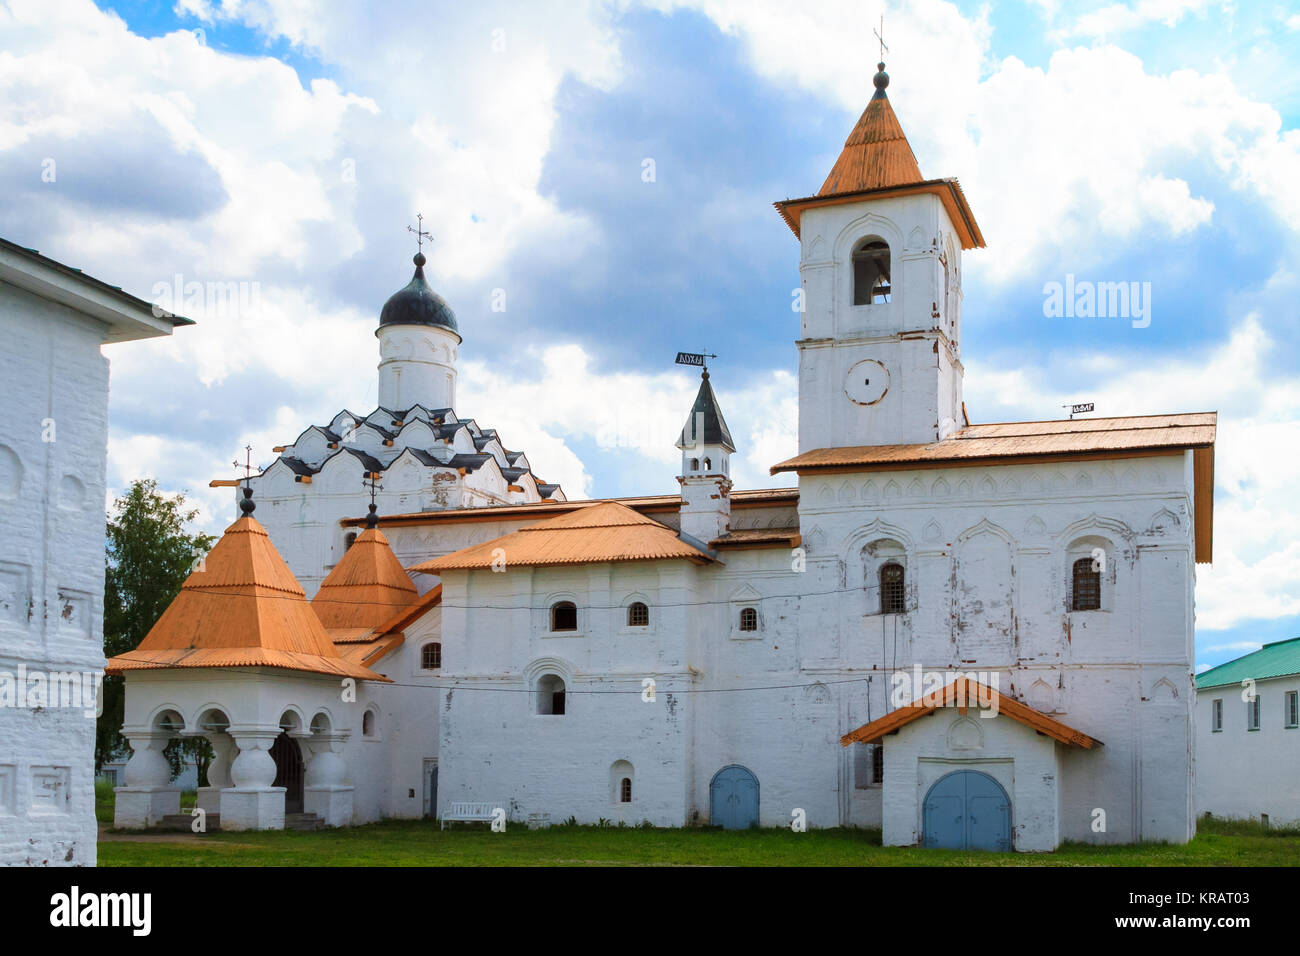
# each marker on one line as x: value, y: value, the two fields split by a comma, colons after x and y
x: 1123, y: 18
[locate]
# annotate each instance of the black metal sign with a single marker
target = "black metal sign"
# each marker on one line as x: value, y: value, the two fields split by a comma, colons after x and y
x: 692, y: 358
x: 1085, y: 407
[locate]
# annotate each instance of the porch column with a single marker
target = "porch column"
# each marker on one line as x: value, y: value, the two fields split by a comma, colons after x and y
x: 325, y: 794
x: 252, y: 803
x: 223, y: 750
x: 148, y: 795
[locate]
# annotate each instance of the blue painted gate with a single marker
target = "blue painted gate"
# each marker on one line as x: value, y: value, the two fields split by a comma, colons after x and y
x: 733, y: 798
x: 967, y: 810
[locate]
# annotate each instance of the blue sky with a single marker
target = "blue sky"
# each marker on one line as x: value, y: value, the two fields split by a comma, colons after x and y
x: 285, y: 149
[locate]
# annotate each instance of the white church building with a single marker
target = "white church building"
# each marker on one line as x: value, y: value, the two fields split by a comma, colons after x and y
x: 968, y: 635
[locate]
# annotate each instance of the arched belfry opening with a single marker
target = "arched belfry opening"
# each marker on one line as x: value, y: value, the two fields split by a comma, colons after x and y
x: 871, y: 271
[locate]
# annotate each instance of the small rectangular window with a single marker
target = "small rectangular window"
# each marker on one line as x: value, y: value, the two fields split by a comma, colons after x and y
x: 1293, y: 708
x: 1216, y: 715
x: 878, y: 764
x: 1252, y: 713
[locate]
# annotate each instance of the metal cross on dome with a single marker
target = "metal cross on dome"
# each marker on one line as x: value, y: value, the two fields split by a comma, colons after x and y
x: 420, y: 232
x: 371, y: 480
x: 880, y: 35
x: 248, y: 463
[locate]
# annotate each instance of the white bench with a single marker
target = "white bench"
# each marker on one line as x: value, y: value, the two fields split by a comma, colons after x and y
x: 468, y: 812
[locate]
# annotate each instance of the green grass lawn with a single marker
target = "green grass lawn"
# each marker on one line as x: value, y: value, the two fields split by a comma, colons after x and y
x: 421, y: 843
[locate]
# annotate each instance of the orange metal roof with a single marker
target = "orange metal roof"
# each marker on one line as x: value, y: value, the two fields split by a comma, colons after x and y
x: 1022, y: 439
x: 876, y: 155
x: 369, y: 645
x: 961, y: 693
x: 242, y: 608
x: 643, y: 504
x: 366, y: 588
x: 1019, y: 442
x: 609, y: 531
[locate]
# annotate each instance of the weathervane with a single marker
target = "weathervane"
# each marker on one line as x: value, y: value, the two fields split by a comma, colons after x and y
x: 880, y: 35
x: 420, y: 233
x: 697, y: 359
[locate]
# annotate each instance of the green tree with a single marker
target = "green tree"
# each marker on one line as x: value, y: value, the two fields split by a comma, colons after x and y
x: 151, y: 552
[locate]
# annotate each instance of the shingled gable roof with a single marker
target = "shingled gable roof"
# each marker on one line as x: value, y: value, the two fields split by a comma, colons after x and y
x: 242, y: 608
x: 960, y: 694
x: 706, y: 426
x: 608, y: 531
x: 366, y: 588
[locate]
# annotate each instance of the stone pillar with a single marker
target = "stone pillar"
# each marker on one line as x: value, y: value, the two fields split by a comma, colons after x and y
x: 148, y: 795
x: 324, y: 793
x: 223, y: 753
x: 252, y: 803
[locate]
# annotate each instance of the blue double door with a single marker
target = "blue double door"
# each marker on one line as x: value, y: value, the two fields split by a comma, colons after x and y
x: 967, y: 810
x: 733, y: 799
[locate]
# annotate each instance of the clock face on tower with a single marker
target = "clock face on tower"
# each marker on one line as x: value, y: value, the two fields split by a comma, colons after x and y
x: 866, y: 382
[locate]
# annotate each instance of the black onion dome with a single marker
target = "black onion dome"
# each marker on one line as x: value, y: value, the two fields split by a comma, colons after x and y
x: 418, y: 304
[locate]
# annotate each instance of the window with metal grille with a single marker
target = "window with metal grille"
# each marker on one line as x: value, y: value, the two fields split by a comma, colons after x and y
x: 878, y: 764
x: 871, y: 272
x: 748, y: 619
x: 1087, y: 586
x: 564, y: 616
x: 1293, y: 708
x: 1216, y: 716
x: 431, y: 656
x: 638, y: 615
x: 350, y: 540
x: 625, y: 790
x: 1252, y: 713
x: 892, y: 599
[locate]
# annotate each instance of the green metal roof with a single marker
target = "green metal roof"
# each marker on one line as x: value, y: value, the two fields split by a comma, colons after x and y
x: 1279, y: 659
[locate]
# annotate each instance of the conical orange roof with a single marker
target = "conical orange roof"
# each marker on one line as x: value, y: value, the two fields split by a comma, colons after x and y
x: 367, y: 588
x: 242, y: 608
x: 876, y: 155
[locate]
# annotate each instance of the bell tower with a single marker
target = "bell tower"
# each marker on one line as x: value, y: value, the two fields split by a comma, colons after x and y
x: 880, y: 266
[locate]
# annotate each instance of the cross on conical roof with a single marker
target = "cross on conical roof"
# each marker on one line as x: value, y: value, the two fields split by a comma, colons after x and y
x: 242, y: 607
x: 706, y: 426
x: 366, y: 588
x: 876, y: 155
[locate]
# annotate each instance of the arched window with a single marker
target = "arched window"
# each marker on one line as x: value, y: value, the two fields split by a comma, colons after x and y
x: 892, y: 593
x: 695, y: 464
x: 431, y: 656
x: 708, y: 464
x: 871, y: 272
x: 550, y: 695
x: 350, y: 540
x: 748, y: 619
x: 368, y: 724
x: 625, y: 790
x: 1087, y: 586
x: 564, y: 616
x: 638, y: 615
